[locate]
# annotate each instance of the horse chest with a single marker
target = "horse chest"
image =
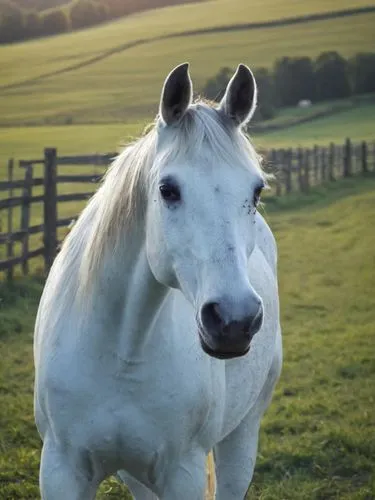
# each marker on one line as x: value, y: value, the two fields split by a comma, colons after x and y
x: 150, y: 416
x: 172, y: 398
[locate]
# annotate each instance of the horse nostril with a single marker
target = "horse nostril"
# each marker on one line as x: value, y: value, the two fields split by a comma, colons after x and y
x: 246, y: 325
x: 211, y: 317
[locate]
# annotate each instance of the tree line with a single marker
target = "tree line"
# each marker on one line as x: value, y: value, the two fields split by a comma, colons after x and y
x: 292, y: 79
x: 17, y: 23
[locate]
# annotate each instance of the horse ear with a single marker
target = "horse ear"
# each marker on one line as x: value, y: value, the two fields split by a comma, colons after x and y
x: 239, y: 101
x: 176, y: 95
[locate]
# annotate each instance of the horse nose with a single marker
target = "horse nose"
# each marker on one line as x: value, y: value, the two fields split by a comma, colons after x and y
x: 227, y: 332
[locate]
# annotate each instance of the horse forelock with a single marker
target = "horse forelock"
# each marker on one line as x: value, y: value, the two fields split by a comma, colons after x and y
x: 120, y: 202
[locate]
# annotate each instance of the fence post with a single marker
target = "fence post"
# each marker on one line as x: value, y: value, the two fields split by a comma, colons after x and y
x: 276, y: 170
x: 25, y: 216
x: 364, y: 157
x: 331, y: 162
x: 323, y: 164
x: 288, y: 171
x: 300, y: 169
x: 340, y: 151
x: 307, y: 170
x: 347, y: 158
x: 10, y: 219
x: 281, y: 160
x: 50, y: 207
x: 316, y: 165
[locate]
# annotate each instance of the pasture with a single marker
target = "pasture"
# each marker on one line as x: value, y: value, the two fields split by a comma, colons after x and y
x: 356, y: 123
x: 113, y: 73
x: 317, y: 439
x: 28, y: 142
x: 93, y: 90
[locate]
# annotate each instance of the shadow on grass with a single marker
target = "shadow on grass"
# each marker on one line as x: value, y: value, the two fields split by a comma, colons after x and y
x: 334, y: 460
x: 18, y: 304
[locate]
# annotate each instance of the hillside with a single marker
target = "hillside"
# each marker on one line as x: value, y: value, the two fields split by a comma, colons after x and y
x: 39, y: 4
x: 115, y: 72
x: 29, y: 142
x: 40, y: 18
x: 317, y: 439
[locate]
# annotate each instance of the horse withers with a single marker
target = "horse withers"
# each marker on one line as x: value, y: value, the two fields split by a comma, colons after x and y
x: 157, y: 338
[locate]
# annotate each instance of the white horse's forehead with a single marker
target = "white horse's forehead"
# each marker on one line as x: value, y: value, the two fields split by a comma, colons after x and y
x: 239, y: 176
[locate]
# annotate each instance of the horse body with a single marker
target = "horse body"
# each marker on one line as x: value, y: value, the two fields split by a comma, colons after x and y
x: 122, y: 382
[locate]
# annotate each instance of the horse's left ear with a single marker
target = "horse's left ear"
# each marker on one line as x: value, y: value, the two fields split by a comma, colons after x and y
x: 240, y: 99
x: 176, y: 95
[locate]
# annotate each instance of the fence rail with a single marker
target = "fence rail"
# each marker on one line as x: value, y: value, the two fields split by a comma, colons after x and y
x: 294, y: 170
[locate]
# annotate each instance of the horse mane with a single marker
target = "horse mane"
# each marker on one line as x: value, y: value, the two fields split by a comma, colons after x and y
x: 120, y: 202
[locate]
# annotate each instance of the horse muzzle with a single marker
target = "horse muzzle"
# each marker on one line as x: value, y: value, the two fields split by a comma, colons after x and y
x: 219, y: 353
x: 227, y: 339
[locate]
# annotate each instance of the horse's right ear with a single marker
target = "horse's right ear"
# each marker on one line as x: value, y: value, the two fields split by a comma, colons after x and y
x: 176, y: 95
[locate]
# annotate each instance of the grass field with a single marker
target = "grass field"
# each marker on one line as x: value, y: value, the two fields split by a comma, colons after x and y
x: 318, y: 438
x: 357, y: 124
x: 124, y: 85
x: 52, y: 54
x: 29, y: 142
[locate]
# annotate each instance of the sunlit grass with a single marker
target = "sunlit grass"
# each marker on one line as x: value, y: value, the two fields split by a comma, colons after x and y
x: 317, y: 440
x: 125, y: 86
x: 29, y: 142
x: 38, y: 56
x: 356, y: 124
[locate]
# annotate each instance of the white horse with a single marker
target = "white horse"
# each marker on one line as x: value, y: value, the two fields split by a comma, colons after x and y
x: 157, y: 338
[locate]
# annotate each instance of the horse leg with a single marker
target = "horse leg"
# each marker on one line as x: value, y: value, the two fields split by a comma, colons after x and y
x: 62, y: 476
x: 235, y: 455
x: 138, y: 490
x: 235, y: 460
x: 187, y: 481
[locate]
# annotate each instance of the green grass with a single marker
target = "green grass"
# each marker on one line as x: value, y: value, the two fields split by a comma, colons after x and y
x: 56, y: 52
x: 318, y: 437
x: 29, y: 142
x: 288, y: 115
x: 356, y: 123
x: 126, y: 85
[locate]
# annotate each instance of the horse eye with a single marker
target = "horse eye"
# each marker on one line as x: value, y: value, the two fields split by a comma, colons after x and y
x: 257, y: 192
x: 170, y: 192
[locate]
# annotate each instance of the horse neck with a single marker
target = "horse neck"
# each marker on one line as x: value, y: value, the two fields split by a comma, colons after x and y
x: 143, y: 298
x: 127, y: 297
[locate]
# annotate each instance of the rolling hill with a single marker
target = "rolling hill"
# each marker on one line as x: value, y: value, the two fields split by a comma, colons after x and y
x: 28, y: 142
x: 39, y: 5
x: 115, y: 72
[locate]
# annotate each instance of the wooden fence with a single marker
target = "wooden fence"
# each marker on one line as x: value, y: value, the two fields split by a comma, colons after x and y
x: 48, y: 181
x: 300, y: 169
x: 294, y: 169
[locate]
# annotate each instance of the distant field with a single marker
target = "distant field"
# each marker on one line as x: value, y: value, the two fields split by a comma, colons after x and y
x: 29, y: 142
x: 318, y: 437
x: 56, y: 52
x: 357, y: 124
x: 125, y: 86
